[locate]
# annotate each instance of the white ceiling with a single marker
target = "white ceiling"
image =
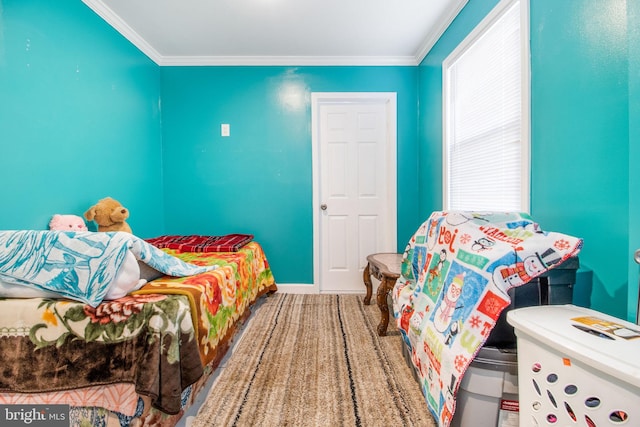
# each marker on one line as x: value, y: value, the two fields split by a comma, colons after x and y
x: 280, y: 32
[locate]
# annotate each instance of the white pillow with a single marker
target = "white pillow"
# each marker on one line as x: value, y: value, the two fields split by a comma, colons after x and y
x: 127, y: 280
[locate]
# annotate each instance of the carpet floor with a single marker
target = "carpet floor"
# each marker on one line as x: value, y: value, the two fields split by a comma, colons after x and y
x: 315, y: 360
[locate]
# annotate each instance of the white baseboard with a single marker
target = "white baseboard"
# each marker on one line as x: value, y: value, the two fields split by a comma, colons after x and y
x: 296, y: 288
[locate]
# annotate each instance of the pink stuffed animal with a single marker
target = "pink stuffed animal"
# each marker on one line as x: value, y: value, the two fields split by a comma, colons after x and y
x: 67, y: 223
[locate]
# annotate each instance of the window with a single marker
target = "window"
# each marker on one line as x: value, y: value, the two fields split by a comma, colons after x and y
x: 486, y: 115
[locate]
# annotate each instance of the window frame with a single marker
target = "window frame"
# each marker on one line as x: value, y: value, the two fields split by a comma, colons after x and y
x: 525, y: 125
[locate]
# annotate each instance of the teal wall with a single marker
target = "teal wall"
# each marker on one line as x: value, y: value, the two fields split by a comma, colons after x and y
x: 581, y: 107
x: 259, y: 180
x: 633, y: 26
x: 79, y: 117
x: 579, y: 61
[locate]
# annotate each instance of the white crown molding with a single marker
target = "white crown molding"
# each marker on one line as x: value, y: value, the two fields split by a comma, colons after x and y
x: 107, y: 14
x: 286, y: 61
x: 121, y: 26
x: 435, y: 35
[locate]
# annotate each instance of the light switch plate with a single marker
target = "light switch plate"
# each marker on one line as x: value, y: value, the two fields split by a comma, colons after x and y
x: 225, y: 129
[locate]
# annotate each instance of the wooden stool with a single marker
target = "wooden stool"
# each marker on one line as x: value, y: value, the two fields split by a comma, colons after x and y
x: 386, y: 268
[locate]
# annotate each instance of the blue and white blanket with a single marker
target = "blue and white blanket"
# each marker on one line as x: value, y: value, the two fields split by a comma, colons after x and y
x: 81, y: 265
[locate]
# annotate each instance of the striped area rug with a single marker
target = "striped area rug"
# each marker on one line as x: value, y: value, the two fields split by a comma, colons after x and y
x: 315, y: 360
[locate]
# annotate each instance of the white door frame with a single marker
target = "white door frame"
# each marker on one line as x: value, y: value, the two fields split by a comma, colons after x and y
x: 389, y: 99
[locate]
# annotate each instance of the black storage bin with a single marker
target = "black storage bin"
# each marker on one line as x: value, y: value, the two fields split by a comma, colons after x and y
x: 552, y: 287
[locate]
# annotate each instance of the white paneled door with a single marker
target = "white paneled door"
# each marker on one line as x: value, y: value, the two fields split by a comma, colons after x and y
x: 354, y: 149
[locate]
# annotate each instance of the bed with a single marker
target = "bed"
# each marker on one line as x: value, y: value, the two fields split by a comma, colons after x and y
x: 136, y: 355
x: 455, y: 276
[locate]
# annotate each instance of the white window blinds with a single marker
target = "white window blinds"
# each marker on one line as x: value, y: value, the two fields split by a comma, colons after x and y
x: 485, y: 148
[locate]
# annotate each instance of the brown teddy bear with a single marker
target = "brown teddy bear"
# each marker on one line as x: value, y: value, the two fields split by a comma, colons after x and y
x: 109, y: 214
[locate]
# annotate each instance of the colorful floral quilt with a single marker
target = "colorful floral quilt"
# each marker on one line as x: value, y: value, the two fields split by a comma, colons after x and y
x: 161, y: 339
x: 221, y: 296
x: 456, y: 271
x: 53, y: 345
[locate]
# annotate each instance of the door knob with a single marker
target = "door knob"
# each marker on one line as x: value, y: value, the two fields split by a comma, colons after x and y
x: 323, y: 207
